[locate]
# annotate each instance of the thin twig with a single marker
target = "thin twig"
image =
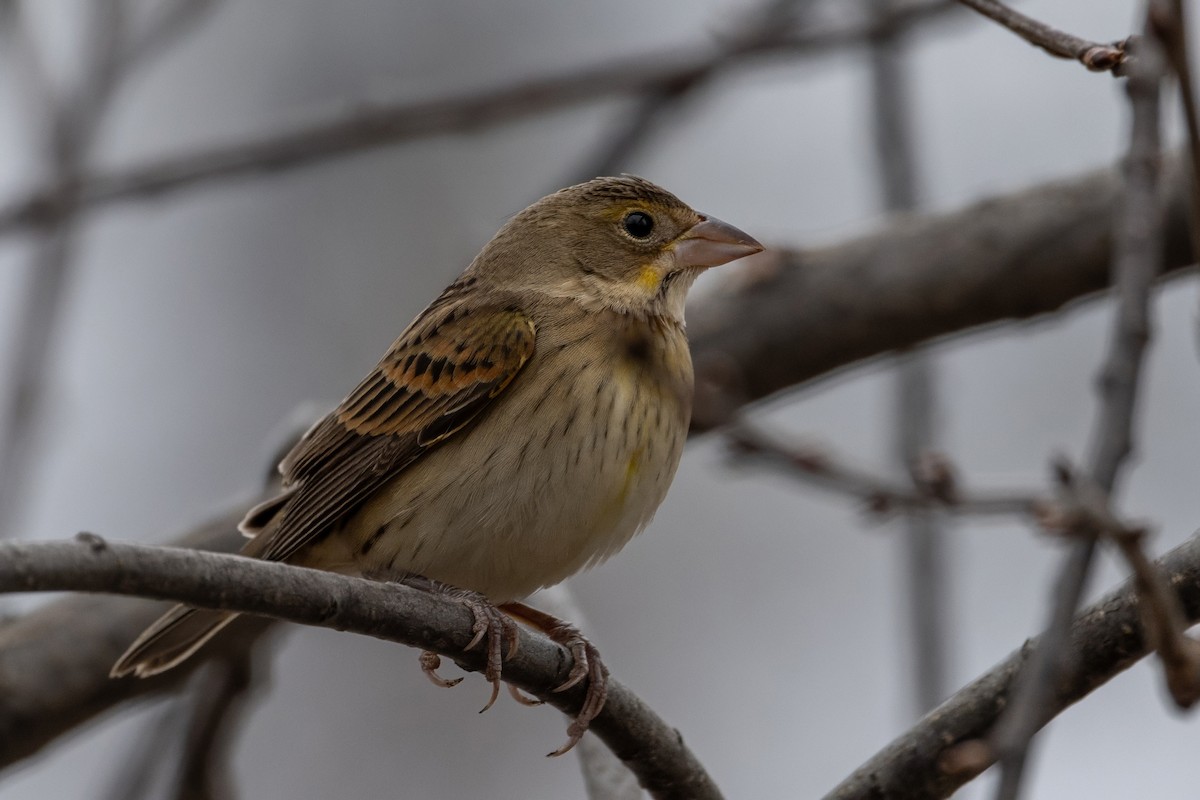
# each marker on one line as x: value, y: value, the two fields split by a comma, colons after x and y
x: 766, y: 24
x: 382, y: 125
x: 1093, y: 55
x: 879, y: 495
x: 653, y: 750
x: 1138, y: 254
x: 1084, y: 512
x: 1164, y: 623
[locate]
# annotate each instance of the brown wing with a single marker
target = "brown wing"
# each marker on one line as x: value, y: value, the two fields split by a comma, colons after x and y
x: 437, y: 377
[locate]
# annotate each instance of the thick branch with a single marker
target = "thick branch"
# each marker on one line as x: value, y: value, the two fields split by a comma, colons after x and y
x: 1108, y: 639
x: 649, y: 747
x: 816, y: 312
x: 54, y: 661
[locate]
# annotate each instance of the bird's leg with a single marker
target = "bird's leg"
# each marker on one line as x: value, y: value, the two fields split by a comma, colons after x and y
x: 492, y: 627
x: 587, y: 665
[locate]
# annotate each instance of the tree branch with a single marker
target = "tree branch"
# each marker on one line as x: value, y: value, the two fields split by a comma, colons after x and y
x: 383, y: 125
x: 1093, y: 55
x: 878, y: 494
x: 648, y: 746
x: 764, y: 24
x: 54, y: 661
x: 1012, y: 258
x: 1136, y: 260
x: 1107, y: 637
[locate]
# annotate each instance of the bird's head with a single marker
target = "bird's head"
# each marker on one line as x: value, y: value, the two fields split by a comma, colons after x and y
x: 619, y: 243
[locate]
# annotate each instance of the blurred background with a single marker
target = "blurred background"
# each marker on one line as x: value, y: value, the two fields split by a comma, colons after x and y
x: 190, y: 326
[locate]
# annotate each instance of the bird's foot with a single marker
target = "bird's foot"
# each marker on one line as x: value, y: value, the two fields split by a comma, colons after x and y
x: 492, y: 628
x: 587, y: 666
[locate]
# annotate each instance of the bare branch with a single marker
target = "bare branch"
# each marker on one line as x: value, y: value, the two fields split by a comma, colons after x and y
x: 879, y: 495
x: 924, y: 277
x: 1136, y: 261
x: 1029, y: 701
x: 766, y: 24
x: 943, y: 751
x: 1093, y: 55
x: 649, y: 747
x: 379, y: 126
x: 1084, y: 512
x: 55, y: 660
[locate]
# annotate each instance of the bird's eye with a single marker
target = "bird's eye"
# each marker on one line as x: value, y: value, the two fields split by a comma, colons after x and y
x: 639, y: 224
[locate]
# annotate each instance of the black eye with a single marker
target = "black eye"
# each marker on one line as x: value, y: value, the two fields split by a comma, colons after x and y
x: 639, y: 224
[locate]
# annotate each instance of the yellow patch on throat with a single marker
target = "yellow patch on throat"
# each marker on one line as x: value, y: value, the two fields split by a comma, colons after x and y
x: 631, y: 471
x: 649, y: 279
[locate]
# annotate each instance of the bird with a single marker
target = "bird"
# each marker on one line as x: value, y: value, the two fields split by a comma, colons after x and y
x: 524, y: 426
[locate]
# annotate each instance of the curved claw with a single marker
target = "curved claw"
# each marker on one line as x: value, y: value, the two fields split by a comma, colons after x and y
x: 479, y: 634
x: 430, y: 662
x: 495, y: 693
x: 523, y: 698
x: 492, y: 629
x: 593, y: 700
x: 579, y: 671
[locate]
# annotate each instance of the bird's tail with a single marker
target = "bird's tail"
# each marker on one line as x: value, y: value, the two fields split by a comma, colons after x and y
x: 175, y: 636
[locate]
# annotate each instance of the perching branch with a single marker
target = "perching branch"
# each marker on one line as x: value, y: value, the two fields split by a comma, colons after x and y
x: 648, y: 746
x: 1093, y: 55
x: 54, y: 661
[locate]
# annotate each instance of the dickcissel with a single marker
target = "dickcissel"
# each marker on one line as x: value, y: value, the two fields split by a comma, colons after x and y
x: 524, y: 426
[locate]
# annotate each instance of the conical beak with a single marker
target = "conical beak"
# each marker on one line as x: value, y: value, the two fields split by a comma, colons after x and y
x: 711, y: 243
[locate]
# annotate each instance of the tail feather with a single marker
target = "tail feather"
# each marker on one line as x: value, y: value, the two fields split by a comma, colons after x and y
x: 175, y: 636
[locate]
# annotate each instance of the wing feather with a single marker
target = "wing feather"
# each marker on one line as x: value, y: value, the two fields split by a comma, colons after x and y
x: 437, y: 377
